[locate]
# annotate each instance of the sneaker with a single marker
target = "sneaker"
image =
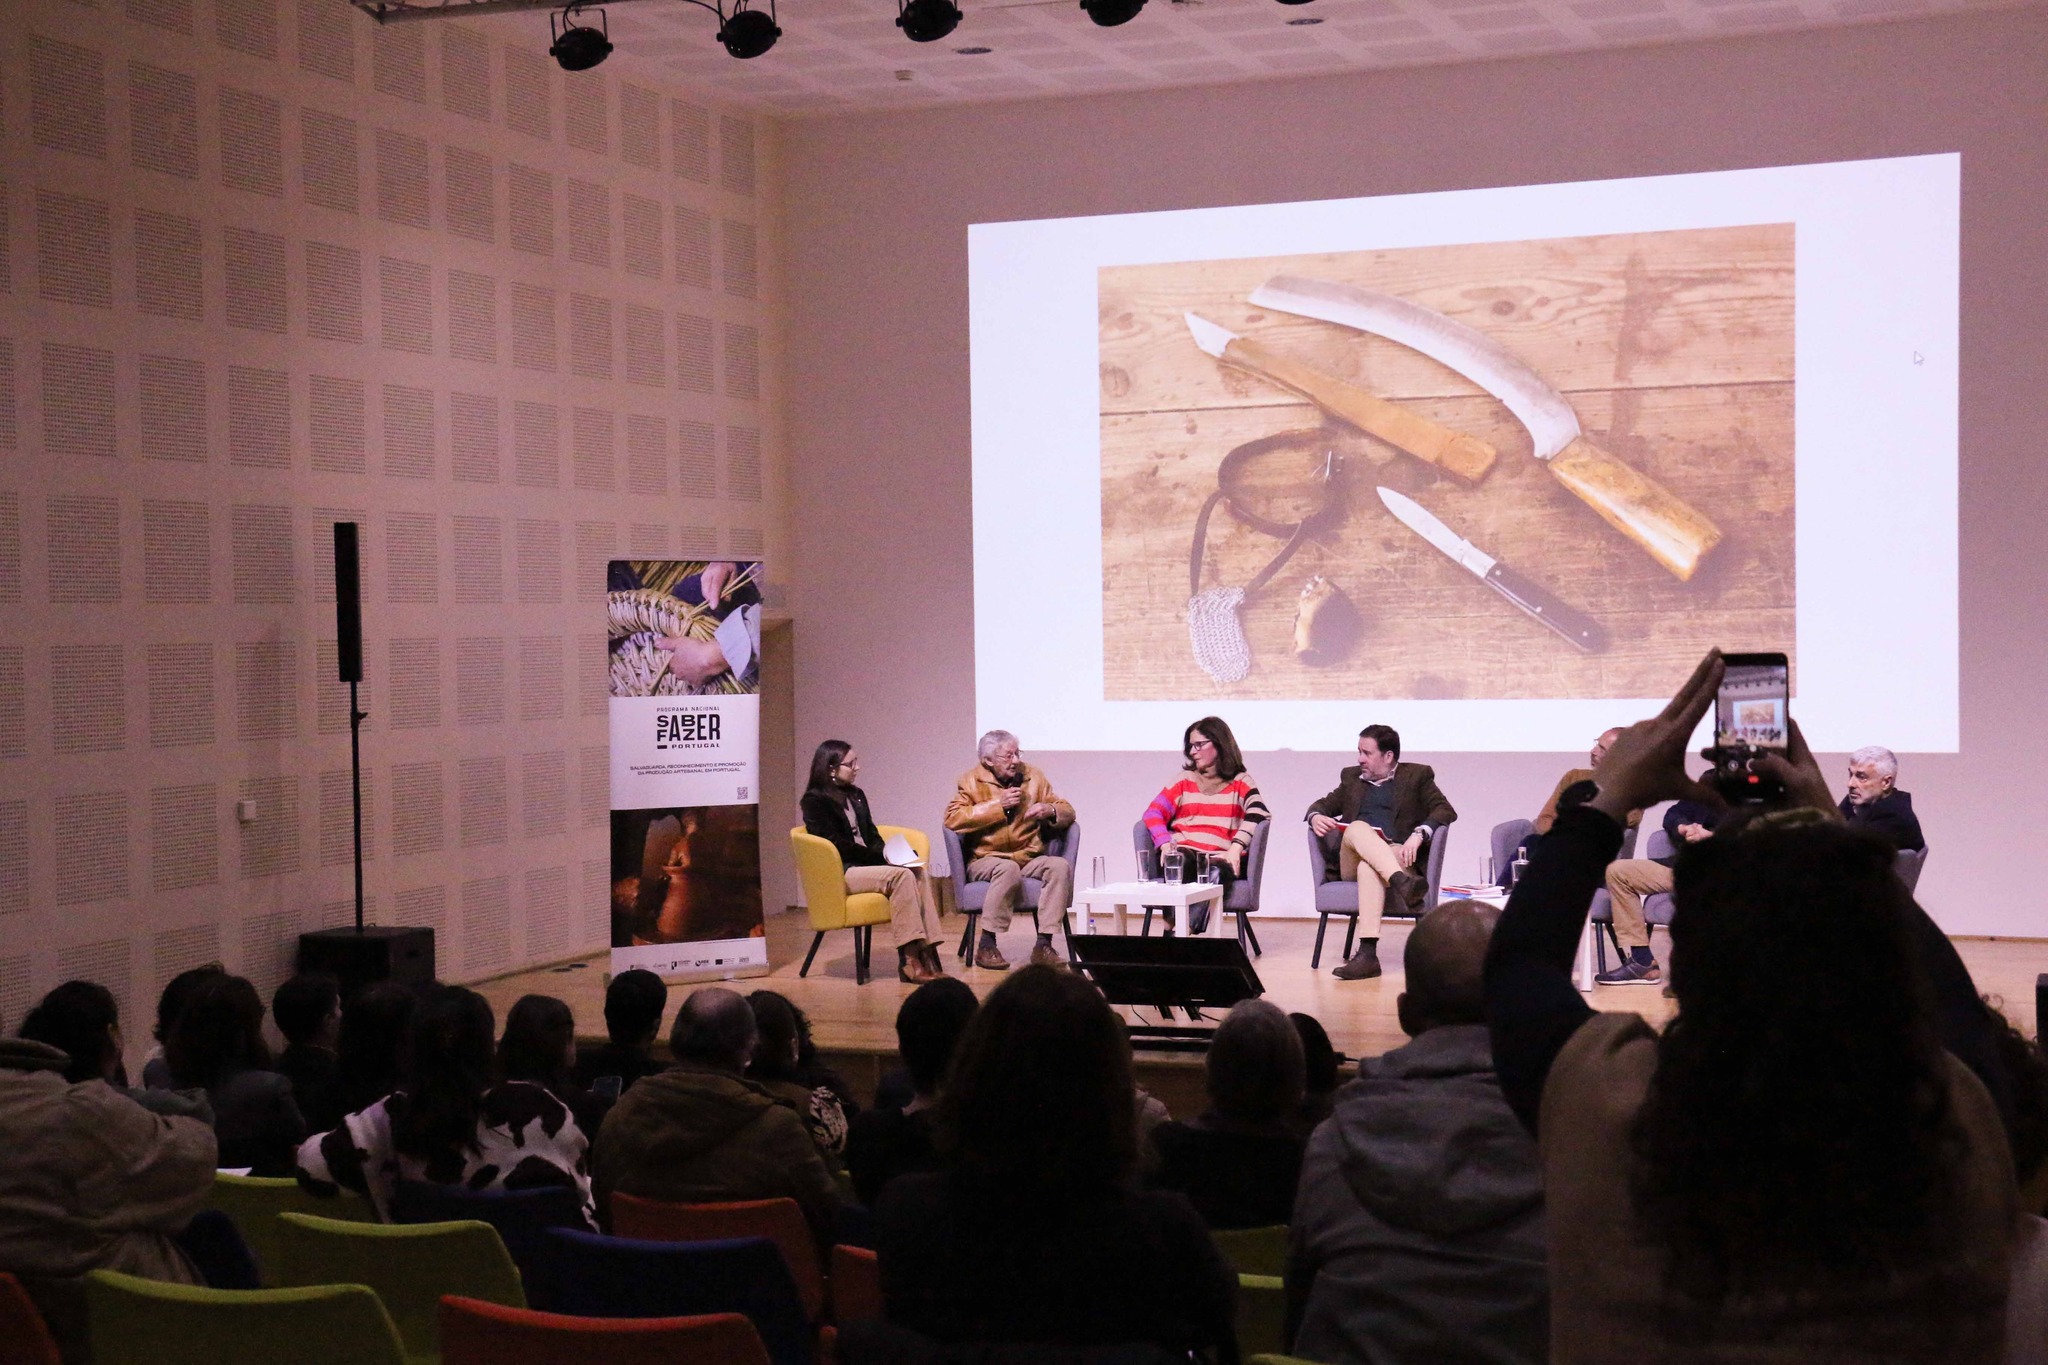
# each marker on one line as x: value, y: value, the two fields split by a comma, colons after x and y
x: 1632, y: 973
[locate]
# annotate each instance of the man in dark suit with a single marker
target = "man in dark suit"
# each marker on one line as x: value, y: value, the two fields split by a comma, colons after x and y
x: 1378, y: 820
x: 1875, y: 802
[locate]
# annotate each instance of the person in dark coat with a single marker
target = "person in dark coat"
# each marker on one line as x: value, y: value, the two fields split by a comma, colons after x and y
x: 1035, y: 1234
x: 888, y: 1141
x: 307, y: 1008
x: 1240, y: 1159
x: 217, y: 1046
x: 1875, y: 802
x: 1375, y: 826
x: 1418, y: 1233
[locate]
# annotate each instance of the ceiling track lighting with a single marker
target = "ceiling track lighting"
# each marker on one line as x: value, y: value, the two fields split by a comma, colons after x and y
x: 745, y: 32
x: 577, y: 46
x: 1110, y: 13
x: 927, y: 21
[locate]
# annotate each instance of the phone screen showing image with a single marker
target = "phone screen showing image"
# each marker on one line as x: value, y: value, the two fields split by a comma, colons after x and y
x: 1753, y: 708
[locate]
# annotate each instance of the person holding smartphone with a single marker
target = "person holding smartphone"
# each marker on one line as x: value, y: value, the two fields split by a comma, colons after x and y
x: 1752, y: 719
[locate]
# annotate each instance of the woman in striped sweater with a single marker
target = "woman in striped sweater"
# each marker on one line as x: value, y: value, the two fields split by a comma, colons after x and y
x: 1212, y: 808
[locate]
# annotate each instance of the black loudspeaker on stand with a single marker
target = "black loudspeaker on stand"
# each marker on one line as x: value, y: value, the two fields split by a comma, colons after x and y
x: 362, y: 954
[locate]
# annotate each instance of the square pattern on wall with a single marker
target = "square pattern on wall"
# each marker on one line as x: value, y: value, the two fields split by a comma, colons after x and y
x: 265, y: 266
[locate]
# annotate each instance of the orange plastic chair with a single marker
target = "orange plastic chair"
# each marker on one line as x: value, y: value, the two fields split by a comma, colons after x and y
x: 781, y: 1221
x: 24, y: 1338
x: 474, y: 1332
x: 856, y: 1285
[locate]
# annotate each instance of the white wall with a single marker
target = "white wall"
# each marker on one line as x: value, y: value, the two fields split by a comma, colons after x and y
x: 878, y: 208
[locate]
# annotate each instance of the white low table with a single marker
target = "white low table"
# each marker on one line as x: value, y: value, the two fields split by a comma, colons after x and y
x: 1121, y: 897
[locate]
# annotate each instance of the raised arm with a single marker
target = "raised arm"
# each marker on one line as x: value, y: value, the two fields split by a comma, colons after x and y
x: 1532, y: 1008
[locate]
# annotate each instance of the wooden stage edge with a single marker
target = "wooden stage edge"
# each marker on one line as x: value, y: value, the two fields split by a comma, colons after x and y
x: 855, y: 1025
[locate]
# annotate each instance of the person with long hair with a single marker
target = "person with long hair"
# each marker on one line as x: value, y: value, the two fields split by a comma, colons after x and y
x: 777, y: 1067
x: 1804, y: 1165
x: 1035, y: 1233
x: 156, y: 1074
x: 216, y: 1045
x: 447, y: 1124
x: 1212, y: 808
x: 539, y: 1047
x: 835, y: 809
x: 82, y: 1020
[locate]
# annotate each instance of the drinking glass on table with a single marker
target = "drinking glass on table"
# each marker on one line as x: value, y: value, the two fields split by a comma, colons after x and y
x: 1171, y: 861
x: 1486, y: 870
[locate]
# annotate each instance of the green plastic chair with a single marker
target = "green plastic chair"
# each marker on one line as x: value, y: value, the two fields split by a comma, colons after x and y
x: 135, y: 1321
x: 1254, y: 1251
x: 255, y: 1201
x: 1261, y: 1315
x: 410, y: 1265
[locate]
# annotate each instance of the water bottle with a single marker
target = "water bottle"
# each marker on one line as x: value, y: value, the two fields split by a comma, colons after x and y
x: 1519, y: 866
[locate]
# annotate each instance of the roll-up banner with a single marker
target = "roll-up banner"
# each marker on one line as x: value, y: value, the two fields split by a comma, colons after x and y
x: 684, y: 649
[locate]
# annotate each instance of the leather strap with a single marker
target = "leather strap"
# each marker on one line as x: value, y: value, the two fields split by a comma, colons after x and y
x: 1229, y: 475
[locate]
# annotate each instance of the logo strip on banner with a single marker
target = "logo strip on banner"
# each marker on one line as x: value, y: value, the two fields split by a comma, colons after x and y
x: 683, y: 653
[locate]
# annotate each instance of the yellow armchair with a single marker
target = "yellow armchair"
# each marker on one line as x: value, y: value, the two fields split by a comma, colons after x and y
x: 823, y: 878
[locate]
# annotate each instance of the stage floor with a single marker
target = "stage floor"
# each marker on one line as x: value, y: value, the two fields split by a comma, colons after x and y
x: 857, y: 1023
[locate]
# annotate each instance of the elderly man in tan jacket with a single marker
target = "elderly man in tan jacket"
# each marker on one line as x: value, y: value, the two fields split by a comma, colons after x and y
x: 1002, y: 810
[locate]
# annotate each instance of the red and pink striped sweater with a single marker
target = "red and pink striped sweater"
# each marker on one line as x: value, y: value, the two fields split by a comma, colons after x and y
x: 1211, y: 821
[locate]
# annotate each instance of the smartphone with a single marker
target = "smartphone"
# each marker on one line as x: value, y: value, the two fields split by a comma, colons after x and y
x: 1753, y: 709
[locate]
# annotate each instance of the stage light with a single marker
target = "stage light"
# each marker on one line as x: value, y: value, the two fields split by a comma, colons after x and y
x: 1110, y: 13
x: 748, y: 32
x: 927, y: 21
x: 578, y: 47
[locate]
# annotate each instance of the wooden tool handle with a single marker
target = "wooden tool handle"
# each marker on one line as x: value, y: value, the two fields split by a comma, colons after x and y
x: 1466, y: 456
x: 1654, y: 517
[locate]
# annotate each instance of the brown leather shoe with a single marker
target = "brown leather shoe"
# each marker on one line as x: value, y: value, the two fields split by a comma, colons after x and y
x: 911, y: 968
x: 1364, y: 964
x: 934, y: 962
x: 990, y: 959
x: 1412, y: 889
x: 1045, y: 955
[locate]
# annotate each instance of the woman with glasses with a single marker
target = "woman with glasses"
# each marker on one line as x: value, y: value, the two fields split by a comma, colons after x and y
x: 837, y: 811
x: 1211, y: 809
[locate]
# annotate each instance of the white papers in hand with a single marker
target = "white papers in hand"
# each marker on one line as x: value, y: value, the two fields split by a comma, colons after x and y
x: 899, y: 852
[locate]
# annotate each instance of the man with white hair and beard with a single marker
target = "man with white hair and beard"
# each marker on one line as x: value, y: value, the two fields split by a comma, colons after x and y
x: 1002, y: 809
x: 1875, y: 802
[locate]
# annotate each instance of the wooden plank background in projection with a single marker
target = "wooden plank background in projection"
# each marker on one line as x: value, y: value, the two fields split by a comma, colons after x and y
x: 1675, y: 348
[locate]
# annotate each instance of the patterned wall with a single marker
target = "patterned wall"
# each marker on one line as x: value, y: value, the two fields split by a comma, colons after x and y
x: 264, y: 266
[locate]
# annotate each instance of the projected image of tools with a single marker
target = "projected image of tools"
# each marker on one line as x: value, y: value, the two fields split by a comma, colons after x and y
x: 1598, y: 430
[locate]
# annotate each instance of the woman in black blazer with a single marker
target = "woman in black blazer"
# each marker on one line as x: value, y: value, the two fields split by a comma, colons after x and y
x: 836, y: 810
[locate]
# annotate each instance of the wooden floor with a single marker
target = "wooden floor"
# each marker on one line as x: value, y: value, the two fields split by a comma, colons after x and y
x: 857, y: 1023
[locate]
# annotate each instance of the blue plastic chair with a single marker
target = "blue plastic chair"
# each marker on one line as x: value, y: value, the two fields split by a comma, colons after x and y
x: 589, y: 1275
x: 522, y: 1217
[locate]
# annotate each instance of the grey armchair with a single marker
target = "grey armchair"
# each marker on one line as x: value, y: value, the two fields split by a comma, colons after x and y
x: 1334, y: 896
x: 1242, y: 898
x: 1908, y: 864
x: 971, y: 896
